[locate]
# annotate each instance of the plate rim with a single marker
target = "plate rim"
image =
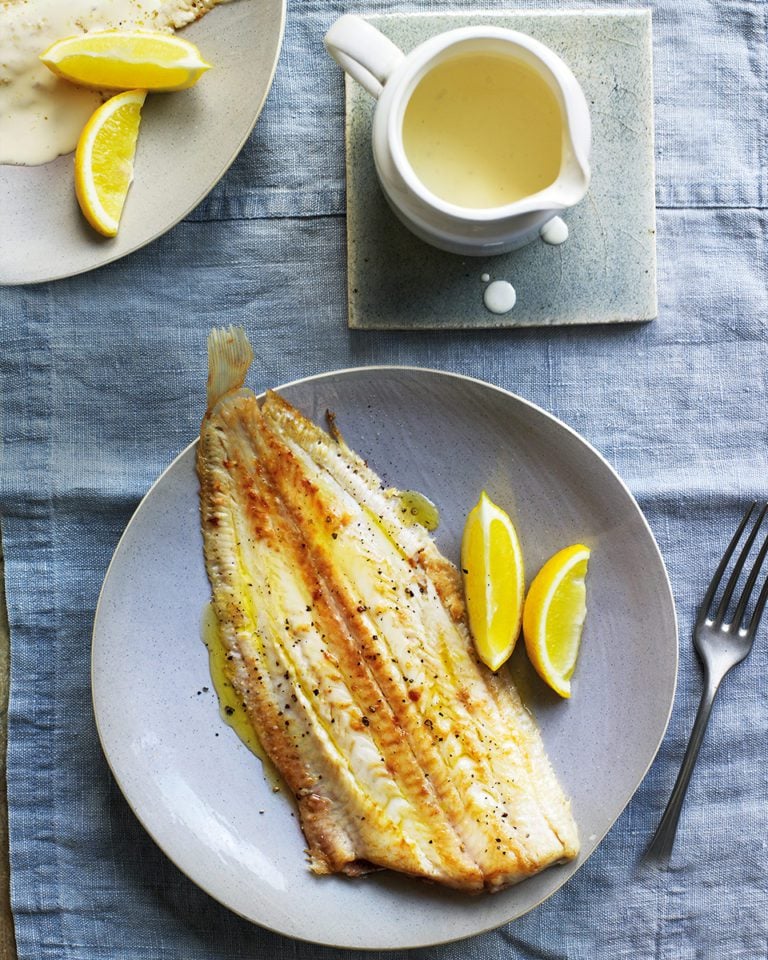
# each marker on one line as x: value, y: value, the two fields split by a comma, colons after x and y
x: 668, y: 596
x: 66, y: 274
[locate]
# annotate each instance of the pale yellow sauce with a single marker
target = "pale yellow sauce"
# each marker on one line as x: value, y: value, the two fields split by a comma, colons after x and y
x: 230, y: 705
x: 41, y: 116
x: 483, y: 130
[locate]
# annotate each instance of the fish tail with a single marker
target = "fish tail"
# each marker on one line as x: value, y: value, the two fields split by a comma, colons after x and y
x: 229, y: 356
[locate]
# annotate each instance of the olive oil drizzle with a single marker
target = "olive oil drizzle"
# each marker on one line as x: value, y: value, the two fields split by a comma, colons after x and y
x: 416, y: 508
x: 231, y: 707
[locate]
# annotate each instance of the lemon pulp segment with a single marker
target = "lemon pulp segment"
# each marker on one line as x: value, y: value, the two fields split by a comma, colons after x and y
x: 554, y: 614
x: 104, y: 160
x: 123, y: 60
x: 494, y: 581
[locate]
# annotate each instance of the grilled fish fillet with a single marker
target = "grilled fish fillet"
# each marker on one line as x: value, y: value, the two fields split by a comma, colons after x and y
x: 347, y: 641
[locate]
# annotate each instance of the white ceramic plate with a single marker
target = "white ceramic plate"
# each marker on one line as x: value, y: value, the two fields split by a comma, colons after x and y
x: 187, y: 142
x: 201, y: 795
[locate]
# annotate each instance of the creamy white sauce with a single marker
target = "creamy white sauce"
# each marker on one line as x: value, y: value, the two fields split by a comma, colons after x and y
x: 554, y: 231
x: 485, y: 277
x: 500, y: 296
x: 41, y: 116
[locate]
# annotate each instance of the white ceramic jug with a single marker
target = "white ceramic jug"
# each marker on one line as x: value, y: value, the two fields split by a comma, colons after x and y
x: 391, y: 76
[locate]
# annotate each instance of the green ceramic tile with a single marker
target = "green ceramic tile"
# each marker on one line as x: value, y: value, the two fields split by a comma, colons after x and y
x: 604, y: 273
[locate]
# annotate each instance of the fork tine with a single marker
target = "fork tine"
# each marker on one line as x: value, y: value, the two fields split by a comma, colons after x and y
x: 758, y: 611
x: 715, y: 583
x: 750, y: 584
x: 736, y: 572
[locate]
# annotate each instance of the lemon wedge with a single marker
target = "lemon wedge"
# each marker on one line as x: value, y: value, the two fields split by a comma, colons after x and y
x: 126, y: 59
x: 104, y: 160
x: 553, y: 616
x: 494, y: 581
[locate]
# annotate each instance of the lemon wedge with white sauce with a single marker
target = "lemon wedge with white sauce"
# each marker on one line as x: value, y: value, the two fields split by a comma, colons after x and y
x: 126, y: 60
x: 553, y: 616
x: 104, y: 160
x: 494, y: 581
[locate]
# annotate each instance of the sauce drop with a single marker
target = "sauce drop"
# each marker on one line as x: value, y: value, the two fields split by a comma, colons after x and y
x: 554, y: 231
x: 500, y: 296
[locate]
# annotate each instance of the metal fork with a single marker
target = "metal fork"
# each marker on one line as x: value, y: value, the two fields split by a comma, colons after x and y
x: 720, y: 646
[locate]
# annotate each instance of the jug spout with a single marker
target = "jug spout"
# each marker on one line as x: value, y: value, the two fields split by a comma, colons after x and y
x: 573, y: 180
x: 572, y: 183
x: 567, y: 190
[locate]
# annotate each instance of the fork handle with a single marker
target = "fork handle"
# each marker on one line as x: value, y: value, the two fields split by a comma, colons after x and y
x: 660, y: 847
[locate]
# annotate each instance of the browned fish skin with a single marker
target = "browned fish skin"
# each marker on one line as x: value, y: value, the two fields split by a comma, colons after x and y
x: 347, y: 642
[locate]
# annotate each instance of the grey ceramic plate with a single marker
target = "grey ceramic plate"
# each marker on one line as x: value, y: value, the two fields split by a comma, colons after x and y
x: 200, y: 793
x: 187, y: 142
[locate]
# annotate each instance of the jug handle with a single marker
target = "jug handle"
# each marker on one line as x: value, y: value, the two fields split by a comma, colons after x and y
x: 363, y: 52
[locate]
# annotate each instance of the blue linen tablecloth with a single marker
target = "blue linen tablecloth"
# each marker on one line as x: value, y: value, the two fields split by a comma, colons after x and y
x: 100, y: 389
